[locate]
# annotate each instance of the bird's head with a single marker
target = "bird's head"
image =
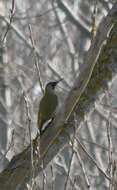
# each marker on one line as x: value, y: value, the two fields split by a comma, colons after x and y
x: 52, y: 85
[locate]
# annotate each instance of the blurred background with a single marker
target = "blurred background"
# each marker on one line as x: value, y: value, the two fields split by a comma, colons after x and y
x: 48, y: 40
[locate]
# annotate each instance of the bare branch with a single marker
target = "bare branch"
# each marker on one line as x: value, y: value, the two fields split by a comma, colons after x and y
x: 12, y: 11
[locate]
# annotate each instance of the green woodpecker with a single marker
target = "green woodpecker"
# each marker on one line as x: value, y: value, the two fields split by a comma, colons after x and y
x: 48, y: 105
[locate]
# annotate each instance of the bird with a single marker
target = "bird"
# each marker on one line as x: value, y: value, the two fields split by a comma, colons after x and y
x: 47, y: 106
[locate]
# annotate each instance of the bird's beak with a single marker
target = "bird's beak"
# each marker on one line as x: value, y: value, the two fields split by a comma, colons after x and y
x: 59, y: 81
x: 56, y: 82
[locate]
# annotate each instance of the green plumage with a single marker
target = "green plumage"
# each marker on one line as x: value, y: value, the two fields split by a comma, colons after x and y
x: 47, y: 105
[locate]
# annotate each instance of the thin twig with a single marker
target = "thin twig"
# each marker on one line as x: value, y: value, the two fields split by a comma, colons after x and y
x: 110, y: 146
x: 69, y: 169
x: 83, y: 169
x: 12, y: 12
x: 70, y: 162
x: 78, y: 155
x: 36, y: 58
x: 44, y: 176
x: 93, y: 143
x: 26, y: 99
x: 35, y: 16
x: 93, y: 30
x: 51, y: 167
x: 64, y: 31
x: 92, y: 159
x: 9, y: 147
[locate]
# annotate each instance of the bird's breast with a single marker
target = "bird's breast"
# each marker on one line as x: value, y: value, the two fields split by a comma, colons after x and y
x: 48, y: 105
